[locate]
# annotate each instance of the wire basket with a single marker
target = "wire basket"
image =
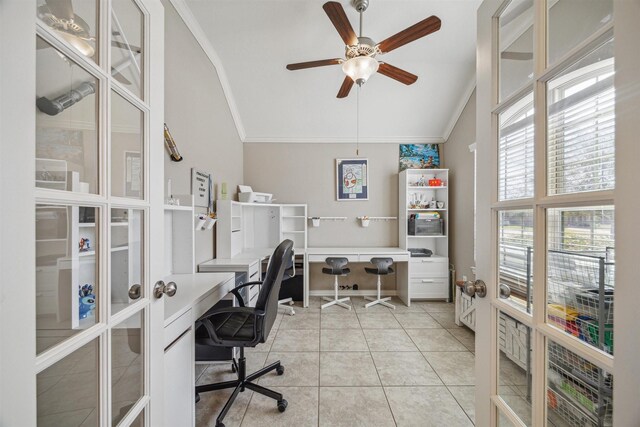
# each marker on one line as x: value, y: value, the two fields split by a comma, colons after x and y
x: 582, y: 384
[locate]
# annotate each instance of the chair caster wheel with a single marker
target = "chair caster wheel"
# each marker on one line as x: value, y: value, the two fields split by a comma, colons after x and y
x: 282, y: 405
x: 280, y: 371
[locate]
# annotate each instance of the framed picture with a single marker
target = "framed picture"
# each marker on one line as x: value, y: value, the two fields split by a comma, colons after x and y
x: 200, y: 187
x: 419, y: 156
x: 352, y: 179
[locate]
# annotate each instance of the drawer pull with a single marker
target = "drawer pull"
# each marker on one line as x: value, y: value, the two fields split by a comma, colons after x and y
x: 427, y: 281
x: 427, y: 260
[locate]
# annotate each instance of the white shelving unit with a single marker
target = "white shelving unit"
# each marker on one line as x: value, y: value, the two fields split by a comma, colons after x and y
x: 243, y: 227
x: 428, y: 276
x: 179, y: 237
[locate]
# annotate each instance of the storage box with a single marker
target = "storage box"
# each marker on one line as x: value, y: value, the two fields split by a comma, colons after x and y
x: 247, y: 195
x: 426, y: 226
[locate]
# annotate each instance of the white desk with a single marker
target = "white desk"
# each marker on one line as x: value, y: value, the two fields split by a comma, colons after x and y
x: 196, y: 294
x: 400, y: 256
x: 251, y: 265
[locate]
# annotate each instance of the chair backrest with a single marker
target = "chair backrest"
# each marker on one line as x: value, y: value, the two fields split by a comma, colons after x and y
x: 337, y: 264
x: 270, y: 289
x: 382, y: 264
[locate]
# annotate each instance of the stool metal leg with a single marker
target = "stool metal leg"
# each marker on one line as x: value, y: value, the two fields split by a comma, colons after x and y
x: 336, y: 301
x: 379, y: 300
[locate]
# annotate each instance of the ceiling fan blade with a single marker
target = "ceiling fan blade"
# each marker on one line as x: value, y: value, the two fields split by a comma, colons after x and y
x: 119, y: 77
x: 61, y: 9
x: 414, y: 32
x: 132, y: 48
x: 312, y: 64
x: 345, y: 88
x: 338, y: 17
x: 397, y: 74
x: 517, y: 56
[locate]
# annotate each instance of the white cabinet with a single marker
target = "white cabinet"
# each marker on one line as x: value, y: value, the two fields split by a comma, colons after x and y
x: 179, y: 380
x: 424, y: 193
x: 243, y: 227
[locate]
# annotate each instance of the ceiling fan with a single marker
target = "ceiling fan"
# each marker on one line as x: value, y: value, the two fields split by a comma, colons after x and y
x: 360, y: 52
x: 59, y: 15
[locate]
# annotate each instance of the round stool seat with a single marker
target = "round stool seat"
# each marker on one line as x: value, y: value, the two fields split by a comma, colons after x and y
x: 372, y: 270
x: 340, y: 272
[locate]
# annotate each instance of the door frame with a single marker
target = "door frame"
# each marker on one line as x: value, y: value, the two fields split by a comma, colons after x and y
x: 18, y: 403
x: 627, y: 233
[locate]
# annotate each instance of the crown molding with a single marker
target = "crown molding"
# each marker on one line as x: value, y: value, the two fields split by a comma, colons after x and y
x: 196, y: 30
x: 457, y: 113
x: 347, y: 140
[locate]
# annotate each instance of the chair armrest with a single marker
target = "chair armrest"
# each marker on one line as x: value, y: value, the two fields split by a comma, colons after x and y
x: 235, y: 292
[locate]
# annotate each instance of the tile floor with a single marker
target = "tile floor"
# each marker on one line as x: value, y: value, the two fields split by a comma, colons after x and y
x: 378, y: 367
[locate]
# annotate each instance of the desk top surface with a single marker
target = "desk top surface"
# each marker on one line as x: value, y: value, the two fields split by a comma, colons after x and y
x: 192, y: 288
x: 356, y: 250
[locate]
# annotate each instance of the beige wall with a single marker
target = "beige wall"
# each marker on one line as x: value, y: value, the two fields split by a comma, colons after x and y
x: 461, y: 184
x: 198, y: 116
x: 305, y: 173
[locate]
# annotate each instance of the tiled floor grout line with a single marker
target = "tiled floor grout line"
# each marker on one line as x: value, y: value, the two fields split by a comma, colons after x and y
x: 378, y: 373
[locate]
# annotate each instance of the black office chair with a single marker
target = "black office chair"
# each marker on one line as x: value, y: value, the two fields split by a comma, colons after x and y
x: 382, y: 268
x: 247, y: 327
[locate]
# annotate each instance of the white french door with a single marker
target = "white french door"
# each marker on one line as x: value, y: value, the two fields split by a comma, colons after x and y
x: 557, y: 85
x: 82, y: 116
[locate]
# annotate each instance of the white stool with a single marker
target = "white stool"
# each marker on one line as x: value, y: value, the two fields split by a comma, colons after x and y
x: 337, y: 268
x: 383, y: 268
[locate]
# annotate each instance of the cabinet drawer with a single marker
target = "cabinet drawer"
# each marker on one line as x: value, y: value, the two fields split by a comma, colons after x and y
x: 432, y: 267
x: 254, y: 272
x: 176, y: 328
x: 426, y: 287
x: 322, y: 258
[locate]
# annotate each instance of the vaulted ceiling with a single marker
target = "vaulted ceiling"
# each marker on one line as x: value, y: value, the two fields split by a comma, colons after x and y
x: 251, y: 41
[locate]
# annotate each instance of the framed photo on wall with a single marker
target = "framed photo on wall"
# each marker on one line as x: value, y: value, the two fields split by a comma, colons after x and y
x: 352, y: 179
x: 420, y: 156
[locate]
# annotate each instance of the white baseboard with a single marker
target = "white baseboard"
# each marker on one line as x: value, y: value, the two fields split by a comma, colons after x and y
x: 352, y: 293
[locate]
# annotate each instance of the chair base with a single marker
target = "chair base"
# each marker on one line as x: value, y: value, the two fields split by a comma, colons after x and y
x: 382, y: 301
x: 287, y: 308
x: 336, y: 301
x: 244, y: 382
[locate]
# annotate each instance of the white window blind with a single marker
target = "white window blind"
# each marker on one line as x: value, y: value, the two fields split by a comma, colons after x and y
x: 515, y: 151
x: 581, y: 136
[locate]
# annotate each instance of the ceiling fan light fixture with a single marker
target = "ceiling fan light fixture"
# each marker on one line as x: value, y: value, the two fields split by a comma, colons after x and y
x: 360, y: 68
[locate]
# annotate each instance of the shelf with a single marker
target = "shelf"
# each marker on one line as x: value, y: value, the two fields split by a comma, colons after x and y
x: 293, y: 216
x: 426, y: 209
x: 426, y: 187
x: 236, y: 216
x: 177, y: 208
x: 50, y: 240
x: 86, y: 224
x: 119, y: 224
x: 120, y: 248
x: 426, y: 237
x: 86, y: 253
x: 293, y: 232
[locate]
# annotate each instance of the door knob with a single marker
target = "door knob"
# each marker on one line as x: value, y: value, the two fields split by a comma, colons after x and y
x: 161, y: 288
x: 475, y: 288
x: 505, y: 291
x: 135, y: 291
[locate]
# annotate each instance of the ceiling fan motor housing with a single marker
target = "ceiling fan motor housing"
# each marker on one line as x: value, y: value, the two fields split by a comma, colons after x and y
x: 365, y: 47
x: 360, y: 5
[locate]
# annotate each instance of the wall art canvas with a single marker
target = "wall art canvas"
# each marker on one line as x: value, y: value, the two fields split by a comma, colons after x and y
x: 352, y: 179
x: 419, y: 156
